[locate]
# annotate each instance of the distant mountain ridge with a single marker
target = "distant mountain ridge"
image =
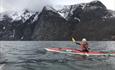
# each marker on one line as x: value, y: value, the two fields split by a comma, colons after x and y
x: 80, y: 20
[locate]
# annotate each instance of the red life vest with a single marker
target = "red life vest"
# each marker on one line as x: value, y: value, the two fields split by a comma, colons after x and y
x: 84, y: 46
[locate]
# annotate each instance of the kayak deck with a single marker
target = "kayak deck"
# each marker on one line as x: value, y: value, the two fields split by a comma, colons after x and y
x: 76, y: 51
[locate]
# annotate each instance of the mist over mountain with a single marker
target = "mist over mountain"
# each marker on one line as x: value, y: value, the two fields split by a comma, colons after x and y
x: 90, y: 20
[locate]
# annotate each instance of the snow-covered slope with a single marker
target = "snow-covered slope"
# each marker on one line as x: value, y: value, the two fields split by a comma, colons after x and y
x: 86, y: 19
x: 17, y: 25
x: 68, y: 10
x: 17, y: 15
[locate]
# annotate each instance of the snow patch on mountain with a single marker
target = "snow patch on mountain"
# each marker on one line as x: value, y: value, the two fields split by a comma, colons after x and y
x: 26, y: 15
x: 36, y: 17
x: 17, y: 15
x: 63, y: 11
x: 50, y: 8
x: 68, y: 9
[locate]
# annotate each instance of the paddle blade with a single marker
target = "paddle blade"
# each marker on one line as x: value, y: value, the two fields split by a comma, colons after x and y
x: 73, y: 39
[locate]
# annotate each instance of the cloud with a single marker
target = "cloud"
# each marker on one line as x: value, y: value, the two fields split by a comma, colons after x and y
x: 24, y: 4
x: 39, y: 4
x: 110, y: 4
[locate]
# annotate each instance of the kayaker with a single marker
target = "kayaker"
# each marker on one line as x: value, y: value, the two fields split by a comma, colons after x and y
x: 84, y: 45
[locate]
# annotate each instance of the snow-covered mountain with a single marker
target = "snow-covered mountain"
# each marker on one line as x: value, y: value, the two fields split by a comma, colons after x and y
x: 86, y: 8
x: 85, y: 19
x: 17, y: 15
x: 13, y: 24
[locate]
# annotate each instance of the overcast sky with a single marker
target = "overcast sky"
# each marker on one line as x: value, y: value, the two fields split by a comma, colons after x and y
x: 38, y: 4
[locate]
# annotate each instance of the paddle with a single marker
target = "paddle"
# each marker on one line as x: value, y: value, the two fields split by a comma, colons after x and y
x: 73, y: 40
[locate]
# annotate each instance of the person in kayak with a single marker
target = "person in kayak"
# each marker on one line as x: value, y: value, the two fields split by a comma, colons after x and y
x: 84, y: 45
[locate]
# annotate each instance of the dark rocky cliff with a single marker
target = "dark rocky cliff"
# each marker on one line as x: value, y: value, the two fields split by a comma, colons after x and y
x: 21, y: 29
x: 91, y: 20
x: 96, y: 22
x: 51, y: 26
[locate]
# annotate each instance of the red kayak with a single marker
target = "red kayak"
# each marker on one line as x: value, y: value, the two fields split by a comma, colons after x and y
x: 77, y: 52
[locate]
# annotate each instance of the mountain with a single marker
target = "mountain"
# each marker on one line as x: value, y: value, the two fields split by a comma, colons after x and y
x: 85, y: 11
x: 51, y: 26
x: 14, y: 25
x: 80, y: 20
x: 92, y: 19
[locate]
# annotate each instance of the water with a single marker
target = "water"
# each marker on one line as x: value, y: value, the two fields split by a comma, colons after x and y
x: 30, y: 55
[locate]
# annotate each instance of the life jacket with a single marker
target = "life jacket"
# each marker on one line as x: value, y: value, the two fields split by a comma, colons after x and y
x: 84, y: 46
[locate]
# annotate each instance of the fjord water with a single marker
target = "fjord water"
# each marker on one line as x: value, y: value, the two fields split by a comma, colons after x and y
x: 30, y: 55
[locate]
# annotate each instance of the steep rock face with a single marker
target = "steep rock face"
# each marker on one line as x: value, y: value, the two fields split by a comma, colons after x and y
x: 29, y: 27
x: 96, y: 22
x: 5, y: 28
x: 51, y: 26
x: 90, y: 19
x: 96, y: 29
x: 87, y: 11
x: 14, y: 27
x: 23, y: 31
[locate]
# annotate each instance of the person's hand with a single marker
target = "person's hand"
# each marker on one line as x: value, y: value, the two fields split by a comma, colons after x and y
x: 73, y: 40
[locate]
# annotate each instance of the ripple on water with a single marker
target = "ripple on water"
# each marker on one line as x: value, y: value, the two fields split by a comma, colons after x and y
x: 28, y: 55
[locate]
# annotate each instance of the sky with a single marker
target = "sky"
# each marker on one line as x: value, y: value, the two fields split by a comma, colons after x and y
x: 6, y: 5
